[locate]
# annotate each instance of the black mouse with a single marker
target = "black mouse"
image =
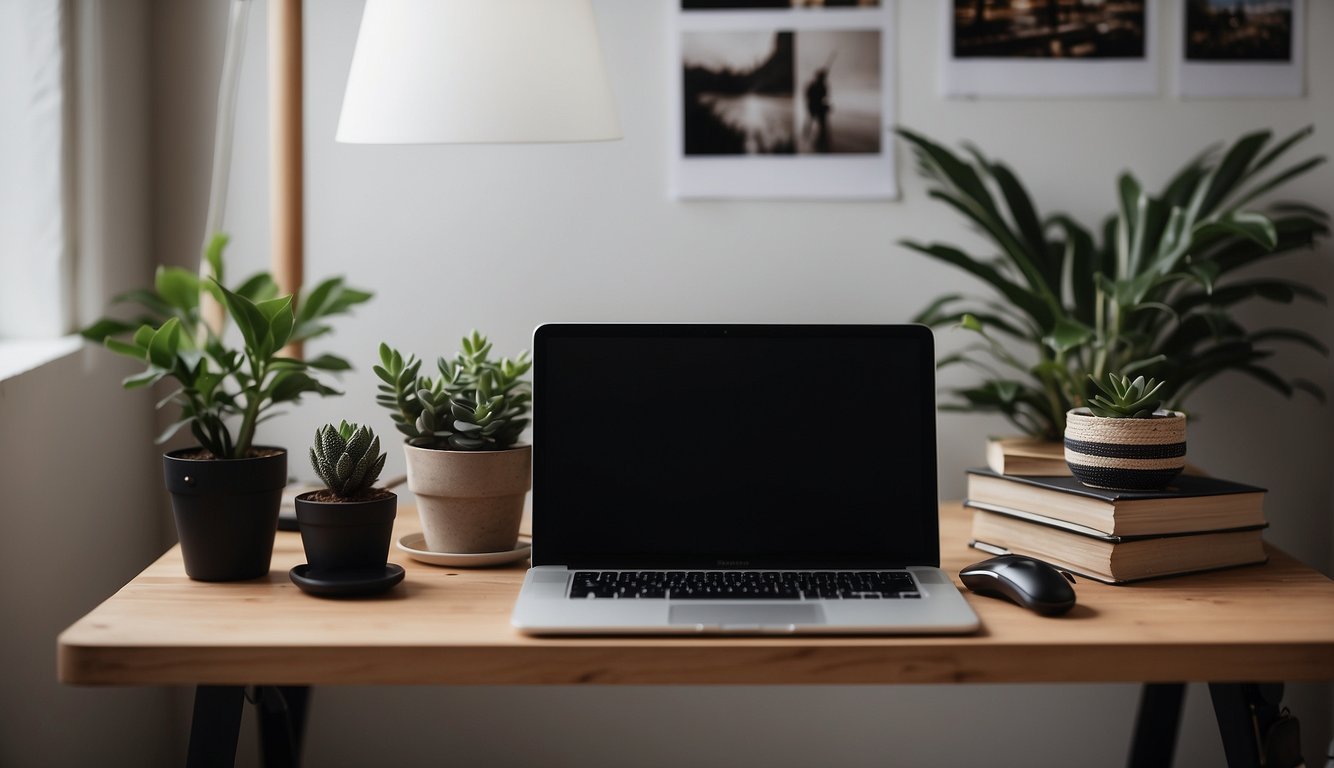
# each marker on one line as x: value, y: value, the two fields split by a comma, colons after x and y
x: 1031, y: 583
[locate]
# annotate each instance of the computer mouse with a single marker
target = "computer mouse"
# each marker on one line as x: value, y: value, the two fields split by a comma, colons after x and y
x: 1031, y: 583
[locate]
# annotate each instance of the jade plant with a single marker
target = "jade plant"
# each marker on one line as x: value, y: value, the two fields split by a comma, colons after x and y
x: 347, y: 458
x: 1154, y: 291
x: 474, y: 404
x: 1121, y: 398
x: 224, y: 393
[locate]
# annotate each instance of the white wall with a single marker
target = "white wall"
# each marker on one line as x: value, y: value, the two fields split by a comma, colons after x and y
x: 505, y: 237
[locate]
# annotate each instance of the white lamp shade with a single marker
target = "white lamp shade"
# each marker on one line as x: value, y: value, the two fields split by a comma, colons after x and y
x: 477, y: 71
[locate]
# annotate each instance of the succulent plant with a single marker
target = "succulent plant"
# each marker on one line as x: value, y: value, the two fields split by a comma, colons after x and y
x: 476, y: 403
x: 347, y: 458
x: 1122, y: 398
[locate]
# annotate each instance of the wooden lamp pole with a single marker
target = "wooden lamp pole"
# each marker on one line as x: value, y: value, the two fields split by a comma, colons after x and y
x: 286, y: 162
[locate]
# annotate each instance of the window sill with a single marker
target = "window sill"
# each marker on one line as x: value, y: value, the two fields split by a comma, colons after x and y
x: 18, y: 356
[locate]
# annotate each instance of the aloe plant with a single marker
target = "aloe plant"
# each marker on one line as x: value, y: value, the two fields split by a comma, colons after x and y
x: 347, y: 458
x: 1121, y: 398
x: 1153, y: 293
x: 225, y: 393
x: 475, y: 404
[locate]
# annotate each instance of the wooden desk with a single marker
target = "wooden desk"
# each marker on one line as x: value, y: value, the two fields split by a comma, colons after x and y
x: 446, y: 627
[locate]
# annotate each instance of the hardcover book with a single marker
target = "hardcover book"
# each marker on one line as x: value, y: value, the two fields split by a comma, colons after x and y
x: 1190, y: 504
x: 1115, y: 559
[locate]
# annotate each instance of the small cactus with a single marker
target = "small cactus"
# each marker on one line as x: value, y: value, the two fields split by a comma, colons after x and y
x: 347, y: 459
x: 1122, y: 398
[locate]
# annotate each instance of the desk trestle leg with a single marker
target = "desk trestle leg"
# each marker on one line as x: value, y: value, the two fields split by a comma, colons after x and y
x: 217, y: 725
x: 1256, y: 731
x: 1156, y: 725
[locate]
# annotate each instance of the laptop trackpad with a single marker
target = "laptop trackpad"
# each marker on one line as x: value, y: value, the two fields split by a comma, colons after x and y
x: 746, y: 615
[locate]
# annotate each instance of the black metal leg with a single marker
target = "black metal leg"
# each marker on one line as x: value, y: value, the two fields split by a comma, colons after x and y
x: 1245, y: 712
x: 1156, y: 724
x: 215, y: 725
x: 282, y: 724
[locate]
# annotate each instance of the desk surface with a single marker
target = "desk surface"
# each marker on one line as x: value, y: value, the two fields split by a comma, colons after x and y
x: 451, y: 626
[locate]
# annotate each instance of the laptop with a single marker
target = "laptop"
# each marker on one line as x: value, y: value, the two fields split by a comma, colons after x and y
x: 736, y: 479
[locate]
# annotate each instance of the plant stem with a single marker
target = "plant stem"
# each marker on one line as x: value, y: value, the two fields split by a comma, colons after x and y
x: 251, y: 414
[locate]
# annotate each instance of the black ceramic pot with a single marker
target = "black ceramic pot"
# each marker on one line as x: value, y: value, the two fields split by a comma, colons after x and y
x: 226, y: 512
x: 346, y: 535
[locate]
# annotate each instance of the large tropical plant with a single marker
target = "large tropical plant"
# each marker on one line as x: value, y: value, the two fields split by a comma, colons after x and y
x: 1153, y: 293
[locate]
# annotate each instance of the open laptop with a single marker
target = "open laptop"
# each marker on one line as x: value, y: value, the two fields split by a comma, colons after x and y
x: 735, y: 479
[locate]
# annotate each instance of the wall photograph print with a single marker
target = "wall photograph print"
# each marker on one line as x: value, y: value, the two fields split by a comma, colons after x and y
x: 1241, y: 48
x: 784, y: 99
x: 1037, y: 48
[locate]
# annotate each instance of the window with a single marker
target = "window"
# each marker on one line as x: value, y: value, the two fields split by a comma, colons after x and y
x: 36, y: 238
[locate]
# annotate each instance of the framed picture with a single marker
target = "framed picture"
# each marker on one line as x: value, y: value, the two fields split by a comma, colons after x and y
x: 788, y: 99
x: 1048, y: 48
x: 1241, y: 49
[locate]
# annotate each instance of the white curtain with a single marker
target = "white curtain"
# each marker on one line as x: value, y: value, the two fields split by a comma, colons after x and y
x: 36, y: 240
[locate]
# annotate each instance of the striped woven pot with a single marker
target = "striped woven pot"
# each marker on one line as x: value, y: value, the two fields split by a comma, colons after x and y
x: 1126, y: 454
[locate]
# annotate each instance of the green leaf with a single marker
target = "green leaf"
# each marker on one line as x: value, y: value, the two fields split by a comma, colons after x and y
x: 1025, y: 217
x: 1230, y: 170
x: 1021, y: 297
x: 279, y: 318
x: 258, y: 287
x: 927, y: 316
x: 213, y: 256
x: 1290, y: 334
x: 1085, y: 262
x: 253, y: 324
x: 129, y: 350
x: 328, y: 362
x: 1067, y: 335
x: 1278, y: 180
x: 164, y: 344
x: 105, y: 328
x: 1252, y: 226
x: 312, y: 304
x: 178, y: 287
x: 146, y: 299
x: 145, y: 379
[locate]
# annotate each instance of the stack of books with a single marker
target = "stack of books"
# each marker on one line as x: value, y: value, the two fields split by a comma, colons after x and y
x: 1196, y: 524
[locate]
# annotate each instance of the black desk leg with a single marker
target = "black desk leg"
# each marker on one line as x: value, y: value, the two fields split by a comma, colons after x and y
x: 215, y: 726
x: 1156, y: 725
x: 1244, y: 711
x: 282, y: 724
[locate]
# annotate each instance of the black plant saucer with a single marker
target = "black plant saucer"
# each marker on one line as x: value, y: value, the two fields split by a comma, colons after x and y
x: 357, y: 582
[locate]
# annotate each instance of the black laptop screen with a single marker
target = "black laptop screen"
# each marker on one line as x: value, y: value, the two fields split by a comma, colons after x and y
x: 750, y: 446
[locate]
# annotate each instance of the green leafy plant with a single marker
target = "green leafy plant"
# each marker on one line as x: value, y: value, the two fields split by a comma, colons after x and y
x: 1155, y: 295
x: 225, y: 393
x: 347, y: 458
x: 1121, y: 398
x: 475, y: 404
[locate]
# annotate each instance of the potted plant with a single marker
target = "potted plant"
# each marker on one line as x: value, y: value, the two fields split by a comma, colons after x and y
x: 464, y: 462
x: 348, y: 525
x: 225, y: 491
x: 1123, y: 440
x: 1153, y: 291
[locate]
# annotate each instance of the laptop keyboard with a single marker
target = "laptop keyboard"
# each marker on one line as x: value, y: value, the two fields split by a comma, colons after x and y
x: 744, y: 585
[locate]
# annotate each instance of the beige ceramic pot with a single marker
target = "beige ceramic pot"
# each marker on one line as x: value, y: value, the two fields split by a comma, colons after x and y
x: 470, y: 501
